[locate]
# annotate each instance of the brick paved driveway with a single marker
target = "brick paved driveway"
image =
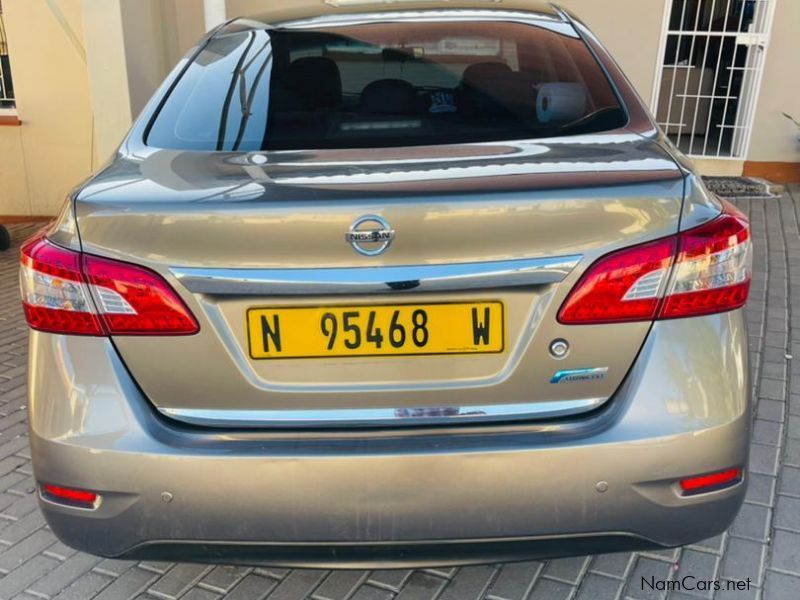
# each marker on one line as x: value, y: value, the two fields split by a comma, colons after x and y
x: 763, y: 544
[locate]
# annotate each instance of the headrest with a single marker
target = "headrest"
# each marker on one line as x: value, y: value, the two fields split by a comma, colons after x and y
x: 389, y: 97
x: 316, y: 80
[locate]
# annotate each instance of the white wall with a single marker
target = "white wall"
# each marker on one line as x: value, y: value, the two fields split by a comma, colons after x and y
x: 774, y: 136
x: 52, y: 150
x: 631, y: 31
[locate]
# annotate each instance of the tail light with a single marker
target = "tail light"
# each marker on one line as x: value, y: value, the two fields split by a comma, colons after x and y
x: 70, y: 496
x: 710, y: 482
x: 701, y: 271
x: 69, y: 292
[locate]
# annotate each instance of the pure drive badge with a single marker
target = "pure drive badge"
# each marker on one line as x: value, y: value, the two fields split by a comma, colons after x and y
x: 592, y: 374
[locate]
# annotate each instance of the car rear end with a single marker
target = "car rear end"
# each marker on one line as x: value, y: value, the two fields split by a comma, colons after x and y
x: 359, y: 293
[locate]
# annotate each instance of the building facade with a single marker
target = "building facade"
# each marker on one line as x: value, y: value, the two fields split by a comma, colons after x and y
x: 718, y: 74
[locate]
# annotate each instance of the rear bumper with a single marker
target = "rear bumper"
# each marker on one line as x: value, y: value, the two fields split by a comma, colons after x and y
x: 396, y: 498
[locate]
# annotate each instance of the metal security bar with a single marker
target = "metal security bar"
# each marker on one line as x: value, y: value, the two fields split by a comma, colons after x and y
x: 708, y: 81
x: 6, y: 85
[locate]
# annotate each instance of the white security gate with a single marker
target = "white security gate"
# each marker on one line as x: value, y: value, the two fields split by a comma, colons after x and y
x: 707, y: 84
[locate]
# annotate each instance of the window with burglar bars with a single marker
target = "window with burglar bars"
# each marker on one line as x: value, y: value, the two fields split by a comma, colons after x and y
x: 709, y: 78
x: 6, y: 85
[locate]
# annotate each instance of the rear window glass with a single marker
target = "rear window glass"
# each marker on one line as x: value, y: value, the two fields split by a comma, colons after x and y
x: 387, y: 84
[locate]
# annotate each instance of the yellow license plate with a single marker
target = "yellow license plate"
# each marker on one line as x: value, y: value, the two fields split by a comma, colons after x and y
x: 375, y: 330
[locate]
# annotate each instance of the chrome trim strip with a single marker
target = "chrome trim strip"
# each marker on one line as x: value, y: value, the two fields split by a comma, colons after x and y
x: 374, y: 280
x: 382, y: 417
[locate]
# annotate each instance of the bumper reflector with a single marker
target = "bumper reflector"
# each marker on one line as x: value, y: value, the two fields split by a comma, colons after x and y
x: 710, y: 482
x: 69, y: 496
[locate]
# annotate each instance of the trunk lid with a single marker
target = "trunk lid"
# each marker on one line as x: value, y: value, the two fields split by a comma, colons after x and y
x: 513, y: 224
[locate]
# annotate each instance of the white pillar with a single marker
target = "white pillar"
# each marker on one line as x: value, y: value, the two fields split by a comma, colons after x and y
x: 214, y: 11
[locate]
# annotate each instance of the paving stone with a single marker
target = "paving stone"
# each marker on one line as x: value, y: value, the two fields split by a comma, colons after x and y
x: 743, y: 560
x: 252, y: 587
x: 737, y: 590
x: 760, y: 489
x: 771, y: 410
x: 779, y: 586
x: 341, y: 584
x: 714, y: 544
x: 514, y: 580
x: 599, y: 587
x: 790, y: 481
x: 16, y: 531
x: 616, y: 564
x: 222, y: 578
x: 787, y: 513
x: 127, y: 585
x: 273, y: 572
x: 767, y: 432
x: 20, y: 578
x: 85, y: 587
x: 200, y: 594
x: 774, y: 370
x: 566, y: 569
x: 794, y: 402
x: 764, y: 459
x: 752, y: 522
x: 25, y: 550
x: 469, y: 583
x: 60, y: 551
x: 113, y: 567
x: 786, y: 552
x: 368, y: 592
x: 696, y: 566
x: 792, y: 453
x: 155, y: 566
x: 550, y: 589
x: 793, y: 426
x: 771, y: 389
x: 64, y: 574
x: 298, y: 584
x: 647, y: 579
x: 390, y: 578
x: 177, y: 580
x: 422, y: 586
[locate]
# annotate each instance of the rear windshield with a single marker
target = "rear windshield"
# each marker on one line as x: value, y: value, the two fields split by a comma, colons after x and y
x: 387, y: 84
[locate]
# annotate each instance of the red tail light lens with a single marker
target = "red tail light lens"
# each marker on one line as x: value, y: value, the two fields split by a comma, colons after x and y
x: 622, y: 286
x: 712, y: 481
x: 701, y: 271
x: 55, y: 297
x: 70, y: 496
x: 713, y: 268
x: 136, y: 301
x: 68, y: 292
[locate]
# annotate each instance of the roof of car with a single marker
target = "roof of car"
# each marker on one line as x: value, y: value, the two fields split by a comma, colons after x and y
x: 292, y: 10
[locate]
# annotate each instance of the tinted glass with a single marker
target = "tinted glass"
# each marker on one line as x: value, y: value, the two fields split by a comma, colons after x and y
x: 387, y: 84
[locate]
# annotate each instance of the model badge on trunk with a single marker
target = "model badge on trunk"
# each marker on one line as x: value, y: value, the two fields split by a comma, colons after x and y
x: 579, y: 375
x: 366, y: 238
